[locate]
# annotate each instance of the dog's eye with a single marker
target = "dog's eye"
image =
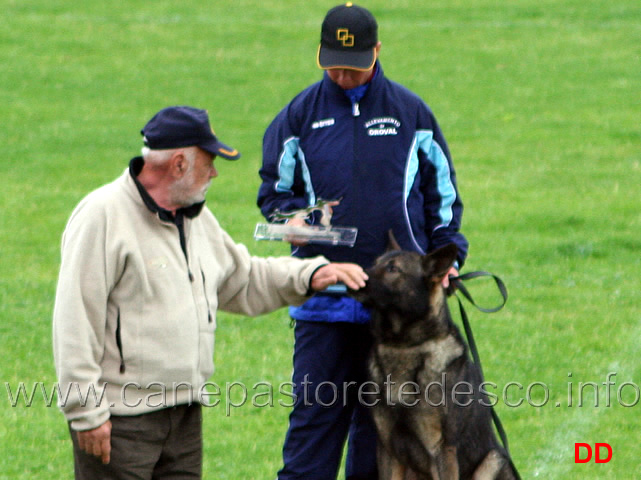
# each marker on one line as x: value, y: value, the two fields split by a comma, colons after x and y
x: 391, y: 268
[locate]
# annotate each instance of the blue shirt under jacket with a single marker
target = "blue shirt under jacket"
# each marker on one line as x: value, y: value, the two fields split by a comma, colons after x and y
x: 385, y: 157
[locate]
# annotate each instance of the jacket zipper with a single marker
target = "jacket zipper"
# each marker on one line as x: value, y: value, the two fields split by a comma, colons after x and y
x: 179, y: 221
x: 356, y: 112
x: 209, y: 319
x: 119, y: 344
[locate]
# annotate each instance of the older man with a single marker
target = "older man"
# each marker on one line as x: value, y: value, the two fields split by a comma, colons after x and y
x: 145, y: 266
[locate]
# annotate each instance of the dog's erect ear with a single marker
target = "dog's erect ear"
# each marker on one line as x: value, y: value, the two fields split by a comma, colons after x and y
x: 392, y: 244
x: 439, y: 262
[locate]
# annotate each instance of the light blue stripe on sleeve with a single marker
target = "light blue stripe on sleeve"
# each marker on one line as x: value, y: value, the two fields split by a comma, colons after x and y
x: 425, y: 141
x: 411, y: 170
x: 412, y: 161
x: 287, y: 167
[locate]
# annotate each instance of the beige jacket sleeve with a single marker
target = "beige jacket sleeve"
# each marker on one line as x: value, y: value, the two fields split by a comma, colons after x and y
x: 257, y: 285
x: 79, y: 319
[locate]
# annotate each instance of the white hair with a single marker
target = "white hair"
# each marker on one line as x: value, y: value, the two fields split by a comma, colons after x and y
x: 160, y: 157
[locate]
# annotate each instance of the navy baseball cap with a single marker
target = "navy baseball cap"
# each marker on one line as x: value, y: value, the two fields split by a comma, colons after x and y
x: 181, y: 126
x: 349, y: 36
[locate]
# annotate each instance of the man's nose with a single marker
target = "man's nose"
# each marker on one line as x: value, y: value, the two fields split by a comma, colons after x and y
x: 343, y: 75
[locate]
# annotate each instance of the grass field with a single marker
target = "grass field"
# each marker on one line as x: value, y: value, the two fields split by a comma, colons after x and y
x: 539, y: 101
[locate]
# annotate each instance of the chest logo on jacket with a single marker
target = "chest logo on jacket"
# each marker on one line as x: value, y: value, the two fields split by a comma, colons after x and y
x: 382, y: 126
x: 327, y: 122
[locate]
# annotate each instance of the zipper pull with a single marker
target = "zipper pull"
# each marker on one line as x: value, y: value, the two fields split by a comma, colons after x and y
x: 356, y: 111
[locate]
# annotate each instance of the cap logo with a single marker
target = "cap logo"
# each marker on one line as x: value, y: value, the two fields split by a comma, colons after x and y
x: 346, y: 38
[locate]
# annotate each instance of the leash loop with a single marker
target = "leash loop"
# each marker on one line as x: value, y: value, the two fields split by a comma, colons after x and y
x: 458, y: 285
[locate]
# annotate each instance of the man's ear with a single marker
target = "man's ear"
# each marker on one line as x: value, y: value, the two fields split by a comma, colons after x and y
x: 178, y: 164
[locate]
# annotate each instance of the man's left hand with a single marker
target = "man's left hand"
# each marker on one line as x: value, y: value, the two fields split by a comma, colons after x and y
x: 453, y: 272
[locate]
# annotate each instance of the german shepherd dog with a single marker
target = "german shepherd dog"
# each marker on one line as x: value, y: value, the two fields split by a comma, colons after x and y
x: 432, y: 416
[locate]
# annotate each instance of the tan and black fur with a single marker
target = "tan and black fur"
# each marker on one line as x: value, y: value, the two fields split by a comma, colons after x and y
x: 416, y: 343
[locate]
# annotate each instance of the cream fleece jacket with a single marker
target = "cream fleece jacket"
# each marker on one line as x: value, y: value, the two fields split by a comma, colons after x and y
x: 134, y: 317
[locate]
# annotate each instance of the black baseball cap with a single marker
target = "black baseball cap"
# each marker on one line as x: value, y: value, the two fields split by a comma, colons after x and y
x: 182, y: 126
x: 348, y: 38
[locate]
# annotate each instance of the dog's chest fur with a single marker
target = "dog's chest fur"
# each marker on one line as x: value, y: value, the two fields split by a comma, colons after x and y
x: 419, y: 364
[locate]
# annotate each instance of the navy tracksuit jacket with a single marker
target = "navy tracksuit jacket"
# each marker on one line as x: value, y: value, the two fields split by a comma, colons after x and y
x: 385, y: 157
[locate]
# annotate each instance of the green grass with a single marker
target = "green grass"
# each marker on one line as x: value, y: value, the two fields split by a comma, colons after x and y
x: 539, y: 101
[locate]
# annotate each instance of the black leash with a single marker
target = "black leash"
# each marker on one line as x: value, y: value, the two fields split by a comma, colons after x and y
x: 456, y: 283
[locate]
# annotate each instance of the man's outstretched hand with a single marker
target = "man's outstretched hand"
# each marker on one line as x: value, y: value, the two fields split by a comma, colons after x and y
x: 352, y: 275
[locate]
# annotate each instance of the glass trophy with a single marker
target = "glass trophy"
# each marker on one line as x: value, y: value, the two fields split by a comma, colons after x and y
x: 325, y: 233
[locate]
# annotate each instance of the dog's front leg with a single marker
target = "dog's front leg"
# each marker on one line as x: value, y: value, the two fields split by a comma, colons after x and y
x: 490, y: 466
x: 385, y: 464
x: 389, y: 468
x: 446, y: 465
x: 398, y: 472
x: 392, y: 469
x: 451, y: 463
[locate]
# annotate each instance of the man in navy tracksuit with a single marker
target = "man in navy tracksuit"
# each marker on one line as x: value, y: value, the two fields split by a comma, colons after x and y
x: 361, y: 138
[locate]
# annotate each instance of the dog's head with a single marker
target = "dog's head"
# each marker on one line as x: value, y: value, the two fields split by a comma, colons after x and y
x: 406, y: 281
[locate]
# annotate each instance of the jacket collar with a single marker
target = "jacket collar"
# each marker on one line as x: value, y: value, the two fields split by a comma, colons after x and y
x: 371, y: 85
x: 135, y: 167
